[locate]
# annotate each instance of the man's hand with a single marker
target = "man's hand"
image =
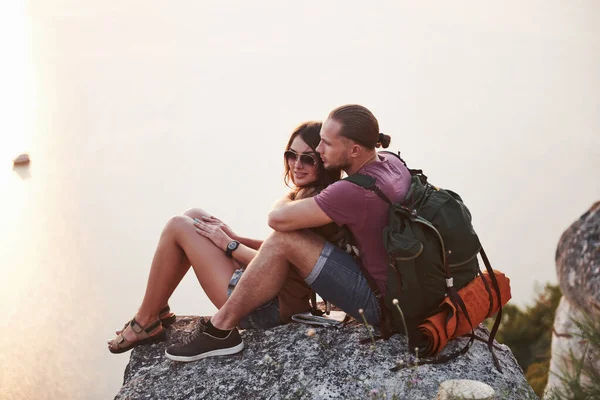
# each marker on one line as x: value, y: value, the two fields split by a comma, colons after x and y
x: 214, y: 230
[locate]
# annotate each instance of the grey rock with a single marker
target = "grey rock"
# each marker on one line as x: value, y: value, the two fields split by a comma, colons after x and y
x: 460, y: 389
x: 578, y: 270
x: 578, y: 262
x: 567, y: 346
x: 286, y: 363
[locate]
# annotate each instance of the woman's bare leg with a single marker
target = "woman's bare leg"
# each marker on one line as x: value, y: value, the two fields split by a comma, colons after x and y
x: 178, y: 247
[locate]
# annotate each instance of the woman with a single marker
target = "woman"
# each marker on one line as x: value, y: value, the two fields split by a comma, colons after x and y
x: 200, y: 240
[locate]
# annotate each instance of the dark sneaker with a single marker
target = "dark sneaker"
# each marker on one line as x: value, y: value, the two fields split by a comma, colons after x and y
x: 201, y: 345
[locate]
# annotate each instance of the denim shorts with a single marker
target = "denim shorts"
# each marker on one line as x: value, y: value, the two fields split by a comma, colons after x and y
x: 337, y: 278
x: 264, y: 317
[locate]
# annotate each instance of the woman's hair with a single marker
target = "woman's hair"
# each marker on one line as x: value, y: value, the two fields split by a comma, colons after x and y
x: 360, y: 125
x: 310, y: 133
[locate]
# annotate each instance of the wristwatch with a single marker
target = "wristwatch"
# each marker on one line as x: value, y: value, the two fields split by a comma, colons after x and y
x: 231, y: 247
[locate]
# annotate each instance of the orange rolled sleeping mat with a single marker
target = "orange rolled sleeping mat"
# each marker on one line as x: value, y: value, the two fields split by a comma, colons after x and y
x: 434, y: 333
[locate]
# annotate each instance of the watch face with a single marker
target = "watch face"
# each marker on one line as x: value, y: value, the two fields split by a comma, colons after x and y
x: 232, y: 245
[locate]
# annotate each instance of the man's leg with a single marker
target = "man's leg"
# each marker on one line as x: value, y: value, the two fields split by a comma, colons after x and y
x: 263, y: 279
x: 337, y: 277
x: 331, y: 272
x: 265, y: 275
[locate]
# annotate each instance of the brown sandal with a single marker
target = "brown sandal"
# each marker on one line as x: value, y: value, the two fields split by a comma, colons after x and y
x: 167, y: 318
x: 144, y: 335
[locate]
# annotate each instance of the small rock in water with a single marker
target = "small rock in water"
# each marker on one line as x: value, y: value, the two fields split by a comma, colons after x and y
x: 22, y: 159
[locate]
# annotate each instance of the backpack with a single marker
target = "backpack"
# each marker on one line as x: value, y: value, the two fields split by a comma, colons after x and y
x: 432, y: 251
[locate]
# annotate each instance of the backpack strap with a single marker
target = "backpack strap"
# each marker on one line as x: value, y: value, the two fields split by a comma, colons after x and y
x: 368, y: 182
x: 494, y: 330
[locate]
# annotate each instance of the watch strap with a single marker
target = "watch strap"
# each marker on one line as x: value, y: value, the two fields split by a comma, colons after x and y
x: 230, y: 249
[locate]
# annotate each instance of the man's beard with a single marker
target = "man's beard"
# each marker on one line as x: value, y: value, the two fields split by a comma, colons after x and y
x: 343, y: 163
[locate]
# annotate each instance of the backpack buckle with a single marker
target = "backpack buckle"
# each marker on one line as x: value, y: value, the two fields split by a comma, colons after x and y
x: 449, y: 282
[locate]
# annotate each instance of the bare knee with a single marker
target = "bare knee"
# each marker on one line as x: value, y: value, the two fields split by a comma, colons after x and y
x: 285, y: 240
x: 177, y: 224
x: 196, y: 213
x: 299, y: 248
x: 280, y: 237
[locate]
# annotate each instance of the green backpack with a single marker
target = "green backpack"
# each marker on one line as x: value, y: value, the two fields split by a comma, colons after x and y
x: 432, y: 249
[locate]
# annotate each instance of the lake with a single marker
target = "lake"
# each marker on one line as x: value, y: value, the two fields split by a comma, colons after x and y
x: 135, y: 111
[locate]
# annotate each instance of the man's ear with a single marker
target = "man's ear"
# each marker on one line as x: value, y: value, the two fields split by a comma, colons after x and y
x: 356, y: 151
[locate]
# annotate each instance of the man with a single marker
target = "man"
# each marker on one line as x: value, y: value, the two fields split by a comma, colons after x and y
x: 349, y: 138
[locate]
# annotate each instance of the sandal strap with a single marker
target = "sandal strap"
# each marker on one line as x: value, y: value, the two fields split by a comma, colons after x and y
x: 120, y: 339
x: 162, y: 314
x: 144, y: 331
x: 143, y: 334
x: 165, y: 310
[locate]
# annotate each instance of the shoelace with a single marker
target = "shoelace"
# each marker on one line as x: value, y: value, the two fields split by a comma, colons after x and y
x: 200, y: 328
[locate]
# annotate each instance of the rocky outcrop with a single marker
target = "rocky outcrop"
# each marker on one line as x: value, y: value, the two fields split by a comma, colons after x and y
x: 578, y: 262
x: 578, y: 269
x: 289, y: 362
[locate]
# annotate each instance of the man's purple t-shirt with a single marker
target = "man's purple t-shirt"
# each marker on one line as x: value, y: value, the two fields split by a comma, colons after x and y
x: 365, y: 213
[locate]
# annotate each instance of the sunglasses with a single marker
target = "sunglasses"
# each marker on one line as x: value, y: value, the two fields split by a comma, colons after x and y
x: 306, y: 159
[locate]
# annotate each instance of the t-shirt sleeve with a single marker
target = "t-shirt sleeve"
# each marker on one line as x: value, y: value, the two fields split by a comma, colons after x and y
x: 343, y: 202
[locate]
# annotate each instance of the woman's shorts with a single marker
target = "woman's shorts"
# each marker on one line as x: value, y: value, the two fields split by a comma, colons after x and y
x: 264, y: 317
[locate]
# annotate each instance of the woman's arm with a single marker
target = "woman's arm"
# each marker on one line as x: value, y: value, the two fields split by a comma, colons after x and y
x: 217, y: 234
x: 243, y: 254
x: 253, y: 244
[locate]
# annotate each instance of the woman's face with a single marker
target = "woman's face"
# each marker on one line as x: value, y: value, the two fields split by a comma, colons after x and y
x: 304, y: 170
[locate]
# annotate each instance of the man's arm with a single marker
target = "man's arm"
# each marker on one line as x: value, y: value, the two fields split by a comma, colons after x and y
x: 298, y: 214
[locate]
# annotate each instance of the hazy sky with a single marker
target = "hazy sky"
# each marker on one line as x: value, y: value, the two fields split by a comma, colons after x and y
x: 496, y: 101
x: 133, y: 111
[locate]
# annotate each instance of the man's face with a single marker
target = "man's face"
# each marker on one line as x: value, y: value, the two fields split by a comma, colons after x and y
x: 333, y: 147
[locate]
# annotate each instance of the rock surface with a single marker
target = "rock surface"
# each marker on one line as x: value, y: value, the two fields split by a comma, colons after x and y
x: 578, y: 269
x: 578, y: 262
x: 286, y: 363
x: 22, y: 159
x: 566, y: 345
x: 459, y: 389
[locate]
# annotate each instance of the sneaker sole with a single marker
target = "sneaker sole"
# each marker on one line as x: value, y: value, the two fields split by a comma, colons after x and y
x: 221, y: 352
